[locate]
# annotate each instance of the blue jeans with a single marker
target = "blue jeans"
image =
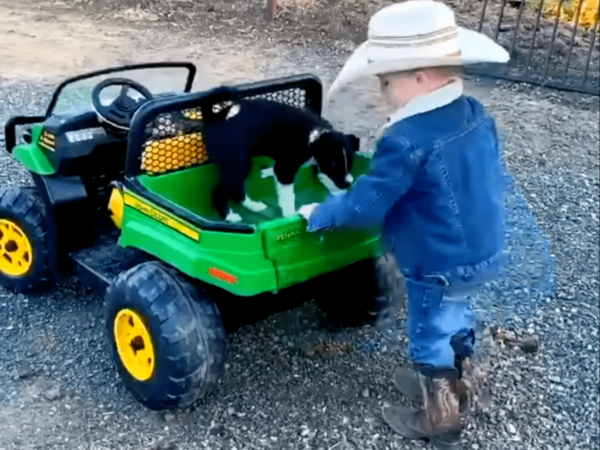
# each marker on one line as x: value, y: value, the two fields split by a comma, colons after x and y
x: 435, y: 315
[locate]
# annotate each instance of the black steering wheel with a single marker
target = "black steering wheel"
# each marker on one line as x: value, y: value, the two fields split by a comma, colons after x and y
x: 119, y: 112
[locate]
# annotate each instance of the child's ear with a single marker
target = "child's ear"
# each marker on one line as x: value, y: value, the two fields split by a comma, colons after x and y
x: 355, y: 141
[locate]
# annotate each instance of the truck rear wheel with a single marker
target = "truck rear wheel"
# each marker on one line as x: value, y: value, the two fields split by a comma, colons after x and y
x: 362, y: 292
x: 166, y: 336
x: 25, y: 253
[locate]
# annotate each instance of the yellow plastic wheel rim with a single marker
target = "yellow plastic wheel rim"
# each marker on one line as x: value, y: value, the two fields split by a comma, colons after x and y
x: 134, y: 345
x: 16, y: 254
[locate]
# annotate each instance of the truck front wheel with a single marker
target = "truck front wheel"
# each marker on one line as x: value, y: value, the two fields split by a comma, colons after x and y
x: 25, y: 253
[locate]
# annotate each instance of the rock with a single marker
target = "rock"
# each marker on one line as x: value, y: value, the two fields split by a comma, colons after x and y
x: 52, y: 394
x: 24, y: 371
x: 530, y: 344
x: 162, y: 445
x: 511, y: 428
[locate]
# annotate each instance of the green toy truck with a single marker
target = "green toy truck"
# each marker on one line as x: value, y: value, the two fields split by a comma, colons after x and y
x: 121, y: 197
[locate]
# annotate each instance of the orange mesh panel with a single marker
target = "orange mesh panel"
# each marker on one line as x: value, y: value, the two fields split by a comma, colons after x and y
x: 174, y: 153
x: 163, y: 154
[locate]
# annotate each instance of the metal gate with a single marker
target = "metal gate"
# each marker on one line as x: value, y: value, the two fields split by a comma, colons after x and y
x: 552, y: 42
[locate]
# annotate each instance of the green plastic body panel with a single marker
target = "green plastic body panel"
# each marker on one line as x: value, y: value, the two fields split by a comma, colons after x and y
x: 238, y: 254
x: 32, y: 156
x: 279, y: 254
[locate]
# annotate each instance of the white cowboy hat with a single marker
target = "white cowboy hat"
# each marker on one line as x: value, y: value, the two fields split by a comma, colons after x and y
x: 417, y: 34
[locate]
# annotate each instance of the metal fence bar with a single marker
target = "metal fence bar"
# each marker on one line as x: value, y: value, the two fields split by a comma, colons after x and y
x: 536, y: 82
x: 553, y: 37
x: 535, y: 30
x: 590, y: 51
x: 545, y: 69
x: 271, y: 9
x: 500, y: 20
x: 522, y: 5
x: 564, y: 75
x: 485, y: 2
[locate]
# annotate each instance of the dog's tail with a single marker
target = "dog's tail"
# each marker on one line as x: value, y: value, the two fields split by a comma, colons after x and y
x: 219, y: 102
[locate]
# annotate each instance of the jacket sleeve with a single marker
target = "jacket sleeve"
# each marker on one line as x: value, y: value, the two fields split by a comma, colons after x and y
x: 366, y: 204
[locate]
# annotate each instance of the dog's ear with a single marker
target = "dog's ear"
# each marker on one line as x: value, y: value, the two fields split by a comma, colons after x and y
x: 355, y: 142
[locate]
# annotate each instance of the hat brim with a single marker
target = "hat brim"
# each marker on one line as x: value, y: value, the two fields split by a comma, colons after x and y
x: 476, y: 48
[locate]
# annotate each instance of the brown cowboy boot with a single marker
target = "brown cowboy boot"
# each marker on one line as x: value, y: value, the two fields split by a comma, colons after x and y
x: 407, y: 382
x: 439, y: 420
x: 407, y: 379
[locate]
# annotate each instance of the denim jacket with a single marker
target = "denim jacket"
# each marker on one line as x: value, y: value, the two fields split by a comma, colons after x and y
x: 435, y: 188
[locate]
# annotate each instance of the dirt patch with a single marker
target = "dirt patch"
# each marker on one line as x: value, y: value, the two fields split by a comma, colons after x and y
x: 122, y: 31
x: 331, y: 21
x: 340, y: 25
x: 51, y: 41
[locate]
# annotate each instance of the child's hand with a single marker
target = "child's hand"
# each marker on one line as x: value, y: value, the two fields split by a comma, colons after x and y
x: 306, y: 210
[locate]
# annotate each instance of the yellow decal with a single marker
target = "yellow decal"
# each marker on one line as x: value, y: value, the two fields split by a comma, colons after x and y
x: 47, y: 141
x: 164, y: 218
x: 49, y: 137
x: 46, y: 146
x: 288, y: 235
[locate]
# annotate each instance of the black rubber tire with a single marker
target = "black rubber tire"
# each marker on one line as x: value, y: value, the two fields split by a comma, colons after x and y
x: 24, y: 207
x: 186, y: 330
x: 364, y: 292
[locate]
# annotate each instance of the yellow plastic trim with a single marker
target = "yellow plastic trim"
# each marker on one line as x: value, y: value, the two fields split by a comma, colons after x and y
x: 16, y: 253
x: 163, y: 217
x: 134, y: 345
x: 116, y: 206
x: 48, y: 141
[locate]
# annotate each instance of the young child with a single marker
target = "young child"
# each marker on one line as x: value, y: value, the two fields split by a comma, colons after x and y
x: 436, y: 189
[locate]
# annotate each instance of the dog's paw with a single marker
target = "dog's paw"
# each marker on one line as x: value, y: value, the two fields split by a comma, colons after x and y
x: 233, y: 217
x: 268, y: 172
x: 253, y: 205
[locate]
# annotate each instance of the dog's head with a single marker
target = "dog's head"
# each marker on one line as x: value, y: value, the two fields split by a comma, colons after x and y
x: 334, y: 154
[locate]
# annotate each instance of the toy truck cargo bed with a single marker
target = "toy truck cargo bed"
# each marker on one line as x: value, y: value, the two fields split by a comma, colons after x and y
x: 273, y: 254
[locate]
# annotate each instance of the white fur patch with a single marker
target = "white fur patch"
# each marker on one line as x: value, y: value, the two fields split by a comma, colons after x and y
x: 253, y: 205
x: 286, y: 199
x: 233, y: 111
x: 315, y: 134
x: 329, y: 184
x: 233, y: 217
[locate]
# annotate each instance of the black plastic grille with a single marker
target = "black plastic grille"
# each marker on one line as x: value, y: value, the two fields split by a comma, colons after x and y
x: 167, y: 135
x: 163, y: 153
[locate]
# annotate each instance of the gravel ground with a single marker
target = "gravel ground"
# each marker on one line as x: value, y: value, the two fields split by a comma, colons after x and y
x: 59, y: 389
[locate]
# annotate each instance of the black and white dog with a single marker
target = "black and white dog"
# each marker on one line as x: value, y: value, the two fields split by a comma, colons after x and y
x: 289, y: 135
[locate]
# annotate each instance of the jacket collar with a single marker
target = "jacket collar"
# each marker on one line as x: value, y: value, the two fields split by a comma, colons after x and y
x: 428, y: 102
